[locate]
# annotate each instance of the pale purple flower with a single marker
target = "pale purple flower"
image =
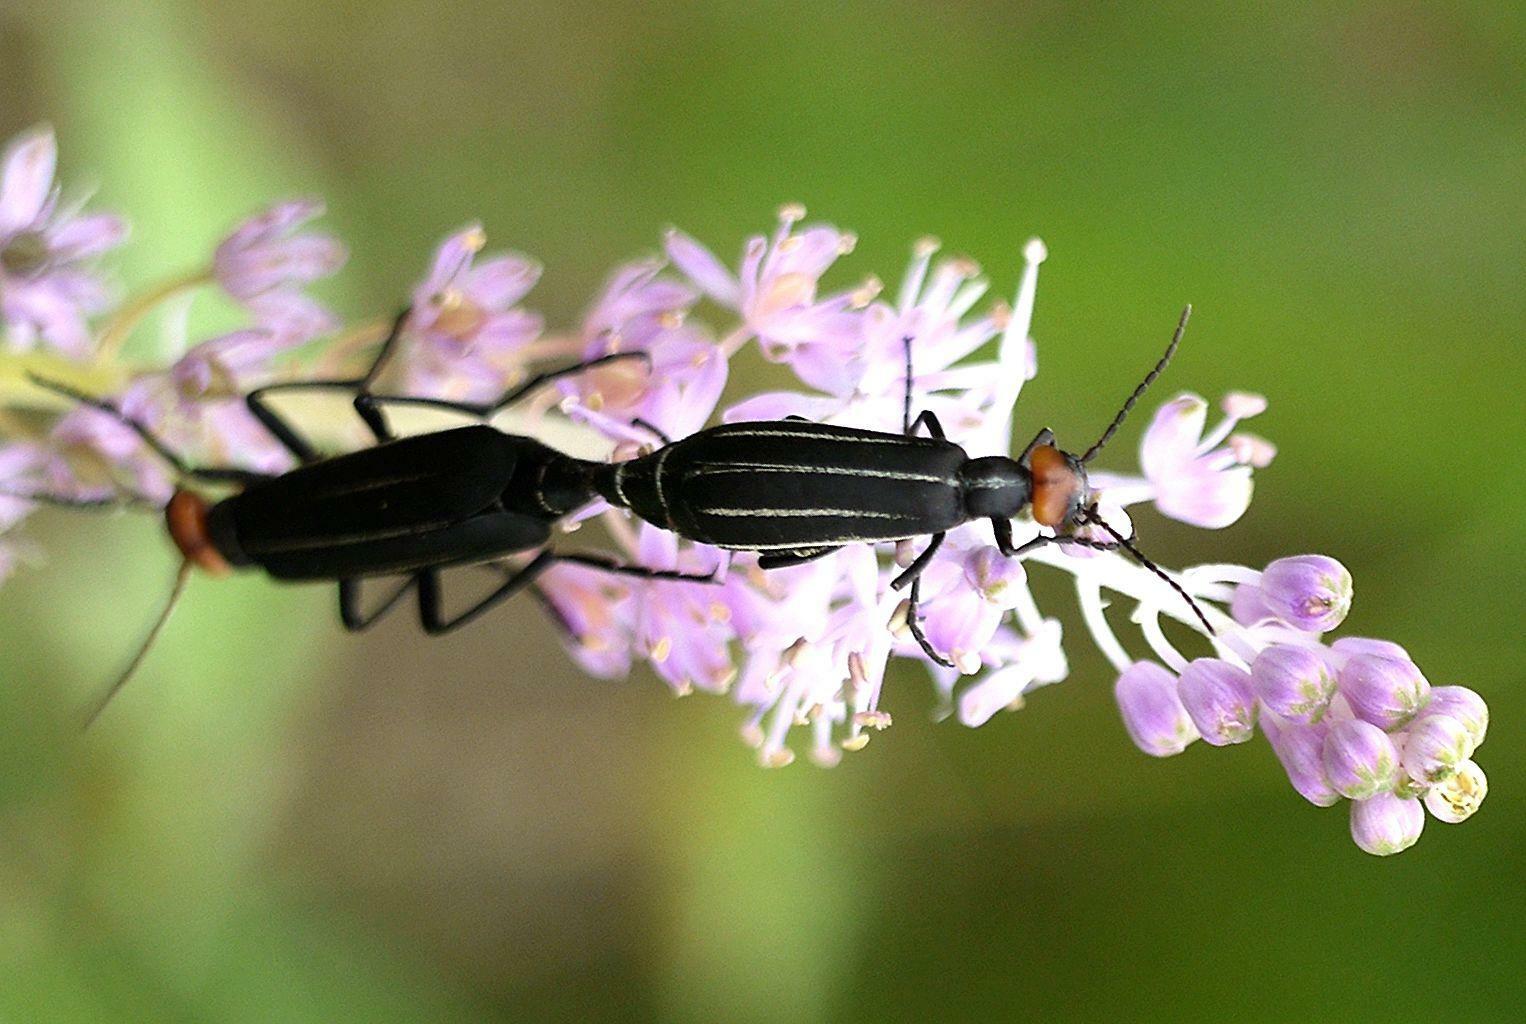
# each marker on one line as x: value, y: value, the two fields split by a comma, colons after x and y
x: 1295, y: 683
x: 775, y: 289
x: 596, y: 612
x: 93, y: 456
x: 1387, y: 692
x: 1152, y: 710
x: 1307, y: 592
x: 1351, y: 645
x: 967, y: 590
x: 1386, y: 824
x: 1220, y: 699
x: 1194, y: 477
x: 1031, y: 661
x: 675, y: 389
x: 48, y: 289
x: 199, y: 403
x: 266, y: 261
x: 1360, y: 759
x: 1301, y: 749
x: 465, y: 328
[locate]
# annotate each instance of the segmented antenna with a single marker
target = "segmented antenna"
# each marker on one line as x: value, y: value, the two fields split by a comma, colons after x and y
x: 1112, y: 428
x: 1139, y: 557
x: 181, y: 577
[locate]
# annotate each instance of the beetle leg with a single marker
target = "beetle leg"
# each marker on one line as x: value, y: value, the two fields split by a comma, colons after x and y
x: 916, y: 627
x: 211, y: 474
x: 513, y: 395
x: 919, y: 564
x: 610, y: 565
x: 432, y: 604
x: 785, y: 559
x: 929, y: 419
x: 350, y: 612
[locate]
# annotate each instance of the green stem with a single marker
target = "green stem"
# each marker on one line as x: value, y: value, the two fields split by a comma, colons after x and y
x: 116, y: 331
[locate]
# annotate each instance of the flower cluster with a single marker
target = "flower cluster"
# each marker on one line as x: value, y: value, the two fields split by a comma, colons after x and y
x: 804, y: 649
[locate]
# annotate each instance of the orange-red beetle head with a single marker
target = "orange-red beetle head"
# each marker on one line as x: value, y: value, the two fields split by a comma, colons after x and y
x: 186, y: 517
x: 1060, y: 490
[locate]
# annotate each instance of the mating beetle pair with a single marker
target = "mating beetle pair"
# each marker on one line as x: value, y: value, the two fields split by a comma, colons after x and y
x: 789, y: 490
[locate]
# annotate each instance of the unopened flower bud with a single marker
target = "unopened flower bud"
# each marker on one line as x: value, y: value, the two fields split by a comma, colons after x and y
x: 1458, y: 797
x: 1463, y: 704
x: 1300, y: 748
x: 1386, y: 824
x: 1294, y: 682
x: 1152, y: 712
x: 1384, y: 691
x: 1434, y: 746
x: 1307, y: 592
x: 1247, y: 605
x: 1352, y: 645
x: 1220, y: 699
x: 1360, y: 759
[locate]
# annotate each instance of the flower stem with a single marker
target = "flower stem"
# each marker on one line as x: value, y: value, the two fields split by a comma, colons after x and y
x: 116, y: 331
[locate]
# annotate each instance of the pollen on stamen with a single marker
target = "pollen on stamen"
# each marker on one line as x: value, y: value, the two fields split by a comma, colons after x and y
x: 1242, y: 405
x: 876, y: 720
x: 1035, y: 251
x: 846, y: 243
x: 926, y: 246
x: 781, y: 758
x: 866, y: 293
x: 790, y: 213
x: 856, y: 742
x: 661, y: 649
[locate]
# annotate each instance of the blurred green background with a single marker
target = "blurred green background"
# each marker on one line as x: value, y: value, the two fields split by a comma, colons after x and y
x: 278, y: 822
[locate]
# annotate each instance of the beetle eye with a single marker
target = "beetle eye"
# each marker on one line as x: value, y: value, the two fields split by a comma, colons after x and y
x: 1055, y: 486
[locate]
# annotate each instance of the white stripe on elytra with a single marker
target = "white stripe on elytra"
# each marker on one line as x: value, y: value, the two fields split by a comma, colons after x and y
x: 801, y: 513
x: 704, y: 469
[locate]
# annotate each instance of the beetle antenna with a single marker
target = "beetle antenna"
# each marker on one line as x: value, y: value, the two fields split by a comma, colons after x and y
x: 1112, y: 428
x: 1139, y: 557
x: 181, y: 577
x: 126, y: 499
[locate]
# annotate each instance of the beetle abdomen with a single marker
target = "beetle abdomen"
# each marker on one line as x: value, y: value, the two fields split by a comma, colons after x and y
x: 780, y: 485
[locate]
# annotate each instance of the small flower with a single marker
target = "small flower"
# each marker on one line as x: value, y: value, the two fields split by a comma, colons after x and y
x: 1360, y: 759
x: 1384, y: 691
x: 1293, y: 682
x: 775, y: 289
x: 47, y: 290
x: 1192, y: 478
x: 675, y: 390
x: 465, y: 327
x: 1457, y: 798
x: 1307, y: 592
x: 1036, y: 661
x: 1221, y: 700
x: 1300, y: 748
x: 1386, y: 824
x: 265, y: 261
x: 596, y: 613
x: 1465, y: 706
x: 1152, y: 712
x: 1434, y: 746
x: 200, y: 404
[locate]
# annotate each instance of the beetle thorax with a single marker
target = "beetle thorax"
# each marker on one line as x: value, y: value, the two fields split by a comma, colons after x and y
x: 995, y: 487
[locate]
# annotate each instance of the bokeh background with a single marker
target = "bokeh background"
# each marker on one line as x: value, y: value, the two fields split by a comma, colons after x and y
x: 281, y: 822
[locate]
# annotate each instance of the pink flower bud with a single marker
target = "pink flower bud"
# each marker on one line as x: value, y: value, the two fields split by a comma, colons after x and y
x: 1152, y: 712
x: 1386, y: 824
x: 1247, y: 605
x: 1294, y: 682
x: 1300, y: 748
x: 1434, y: 746
x: 1350, y: 645
x: 1360, y: 760
x: 1307, y: 592
x: 1384, y: 691
x: 1463, y: 704
x: 1220, y: 699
